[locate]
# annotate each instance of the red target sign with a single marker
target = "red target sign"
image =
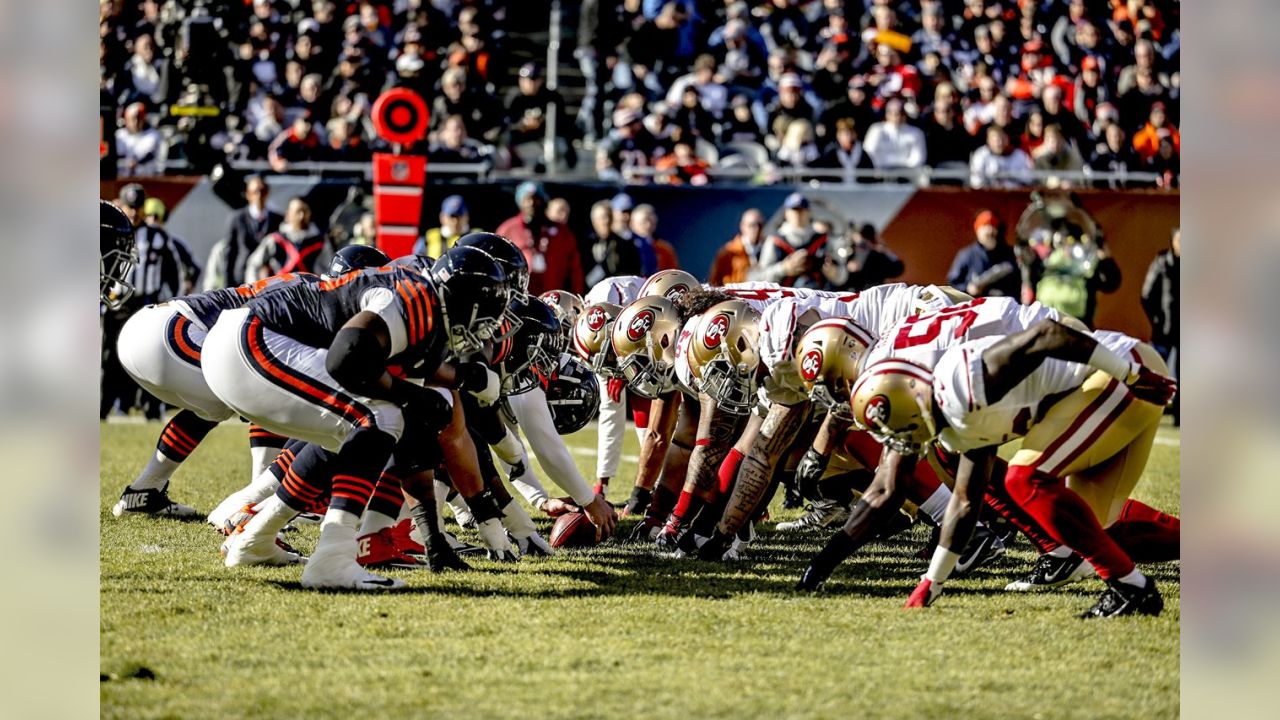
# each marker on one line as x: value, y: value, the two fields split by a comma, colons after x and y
x: 400, y: 116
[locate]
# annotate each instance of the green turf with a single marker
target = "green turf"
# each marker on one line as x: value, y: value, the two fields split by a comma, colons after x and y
x: 612, y: 632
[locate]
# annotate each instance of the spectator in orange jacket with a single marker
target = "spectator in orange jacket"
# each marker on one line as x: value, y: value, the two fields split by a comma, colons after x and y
x: 736, y: 257
x: 549, y: 247
x: 1147, y: 140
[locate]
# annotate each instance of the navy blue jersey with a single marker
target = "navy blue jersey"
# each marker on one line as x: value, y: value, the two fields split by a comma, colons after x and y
x: 313, y: 313
x: 206, y: 307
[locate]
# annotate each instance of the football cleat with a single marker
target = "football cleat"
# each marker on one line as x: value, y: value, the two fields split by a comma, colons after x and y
x: 242, y: 549
x: 460, y: 547
x: 335, y: 570
x: 153, y: 501
x: 821, y: 514
x: 1052, y: 572
x: 984, y: 548
x: 1125, y: 599
x: 402, y: 536
x: 791, y: 499
x: 379, y: 550
x: 924, y: 594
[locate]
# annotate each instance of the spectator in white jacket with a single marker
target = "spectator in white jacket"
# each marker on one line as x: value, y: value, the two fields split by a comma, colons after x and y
x: 893, y: 143
x: 137, y: 145
x: 997, y: 164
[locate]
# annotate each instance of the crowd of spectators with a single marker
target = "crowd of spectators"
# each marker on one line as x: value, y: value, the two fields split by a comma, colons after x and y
x: 992, y: 89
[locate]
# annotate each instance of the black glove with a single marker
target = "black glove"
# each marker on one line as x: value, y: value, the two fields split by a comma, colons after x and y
x: 715, y: 547
x: 810, y: 470
x: 638, y: 502
x: 441, y: 557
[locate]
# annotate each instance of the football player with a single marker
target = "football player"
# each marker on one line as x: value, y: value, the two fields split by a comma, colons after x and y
x: 117, y: 255
x: 1085, y: 405
x: 160, y: 347
x: 614, y: 292
x: 311, y: 362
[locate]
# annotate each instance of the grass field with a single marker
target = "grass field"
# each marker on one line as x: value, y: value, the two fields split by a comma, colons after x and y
x: 613, y: 632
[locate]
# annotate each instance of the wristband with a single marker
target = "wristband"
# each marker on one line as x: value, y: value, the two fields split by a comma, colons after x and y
x: 1111, y: 363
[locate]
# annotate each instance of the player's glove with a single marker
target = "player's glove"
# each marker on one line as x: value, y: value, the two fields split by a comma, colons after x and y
x: 714, y: 548
x: 441, y: 557
x: 533, y: 545
x: 496, y: 540
x: 614, y: 387
x: 924, y: 594
x: 483, y: 383
x: 810, y: 470
x: 638, y: 502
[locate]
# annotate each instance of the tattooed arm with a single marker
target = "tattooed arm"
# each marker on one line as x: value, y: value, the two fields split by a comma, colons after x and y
x: 777, y: 433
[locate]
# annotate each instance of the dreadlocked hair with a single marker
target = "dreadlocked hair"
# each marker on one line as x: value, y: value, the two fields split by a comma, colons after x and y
x: 699, y: 300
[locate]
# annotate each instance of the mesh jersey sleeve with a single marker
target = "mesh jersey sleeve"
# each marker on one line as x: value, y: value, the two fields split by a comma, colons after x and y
x: 385, y: 304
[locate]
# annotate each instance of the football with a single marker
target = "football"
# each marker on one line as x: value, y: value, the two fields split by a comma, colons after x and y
x: 573, y: 530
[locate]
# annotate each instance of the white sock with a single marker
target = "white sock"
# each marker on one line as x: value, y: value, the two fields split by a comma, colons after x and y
x: 262, y: 486
x: 337, y: 534
x: 1134, y: 578
x: 272, y: 515
x: 441, y: 489
x: 1061, y: 552
x: 261, y: 458
x: 461, y: 512
x: 375, y: 521
x: 940, y: 567
x: 157, y: 472
x: 936, y: 506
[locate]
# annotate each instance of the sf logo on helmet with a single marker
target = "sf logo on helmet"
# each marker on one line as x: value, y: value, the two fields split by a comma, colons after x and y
x: 640, y: 325
x: 677, y: 291
x: 810, y: 364
x: 595, y: 319
x: 876, y: 413
x: 717, y: 328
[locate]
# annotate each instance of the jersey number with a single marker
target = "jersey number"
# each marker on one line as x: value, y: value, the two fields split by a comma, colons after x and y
x: 924, y: 329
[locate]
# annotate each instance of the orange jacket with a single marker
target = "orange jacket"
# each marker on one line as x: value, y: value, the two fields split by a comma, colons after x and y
x: 666, y: 253
x: 731, y: 264
x: 1147, y: 140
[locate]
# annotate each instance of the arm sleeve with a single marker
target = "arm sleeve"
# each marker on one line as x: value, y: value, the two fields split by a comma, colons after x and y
x: 534, y: 416
x: 528, y: 484
x: 613, y: 427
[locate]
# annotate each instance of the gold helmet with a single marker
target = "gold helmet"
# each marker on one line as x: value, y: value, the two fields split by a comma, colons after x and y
x: 644, y: 339
x: 566, y: 305
x: 893, y: 400
x: 724, y: 355
x: 827, y: 357
x: 670, y: 284
x: 592, y: 339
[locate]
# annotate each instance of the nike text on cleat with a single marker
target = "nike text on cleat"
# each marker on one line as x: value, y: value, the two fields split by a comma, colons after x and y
x: 812, y: 580
x: 379, y: 550
x: 1125, y: 599
x: 821, y: 514
x: 646, y: 530
x: 984, y: 548
x: 153, y: 501
x: 1051, y: 572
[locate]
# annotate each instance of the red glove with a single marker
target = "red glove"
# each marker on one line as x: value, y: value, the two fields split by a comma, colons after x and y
x: 615, y: 386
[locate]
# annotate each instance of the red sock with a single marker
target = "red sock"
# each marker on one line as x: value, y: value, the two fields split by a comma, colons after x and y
x: 729, y: 469
x: 1068, y: 519
x: 640, y: 411
x: 1147, y: 534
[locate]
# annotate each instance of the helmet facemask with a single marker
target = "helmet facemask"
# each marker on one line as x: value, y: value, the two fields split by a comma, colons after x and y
x: 732, y: 386
x: 114, y: 269
x: 831, y: 403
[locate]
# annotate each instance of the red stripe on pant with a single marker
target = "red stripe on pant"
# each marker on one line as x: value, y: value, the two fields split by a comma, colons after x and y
x: 261, y: 437
x: 1068, y: 519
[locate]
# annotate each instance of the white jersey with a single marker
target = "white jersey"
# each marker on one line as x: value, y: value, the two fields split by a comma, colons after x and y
x: 923, y: 338
x: 684, y: 373
x: 760, y: 295
x: 974, y: 421
x: 621, y: 290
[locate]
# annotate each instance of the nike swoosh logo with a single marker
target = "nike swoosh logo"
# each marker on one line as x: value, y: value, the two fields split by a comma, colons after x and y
x: 385, y: 582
